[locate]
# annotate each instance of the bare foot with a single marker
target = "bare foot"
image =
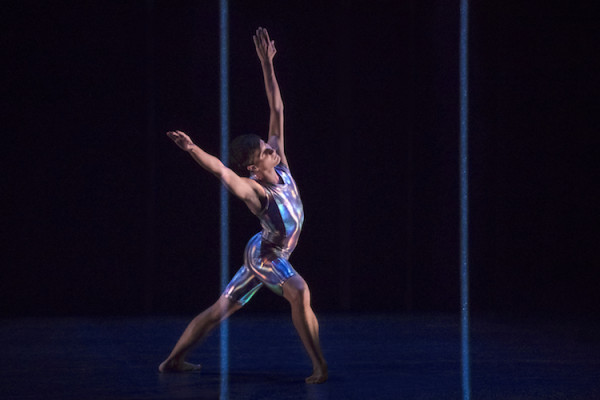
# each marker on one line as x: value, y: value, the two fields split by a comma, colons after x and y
x: 172, y: 366
x: 319, y: 375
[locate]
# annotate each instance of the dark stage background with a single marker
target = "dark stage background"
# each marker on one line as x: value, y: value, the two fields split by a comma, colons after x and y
x: 103, y: 215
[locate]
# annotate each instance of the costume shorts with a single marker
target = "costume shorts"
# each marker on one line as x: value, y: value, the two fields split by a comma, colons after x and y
x: 262, y: 266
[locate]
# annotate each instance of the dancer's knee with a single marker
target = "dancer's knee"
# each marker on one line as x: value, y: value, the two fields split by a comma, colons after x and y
x: 296, y: 291
x: 222, y: 309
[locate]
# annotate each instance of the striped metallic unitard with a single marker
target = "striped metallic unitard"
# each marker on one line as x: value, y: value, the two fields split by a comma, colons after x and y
x: 266, y: 255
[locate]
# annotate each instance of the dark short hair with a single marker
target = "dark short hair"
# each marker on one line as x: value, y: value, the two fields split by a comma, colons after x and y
x: 242, y: 152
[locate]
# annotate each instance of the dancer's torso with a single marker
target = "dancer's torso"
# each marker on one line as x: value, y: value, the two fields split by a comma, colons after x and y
x: 282, y: 217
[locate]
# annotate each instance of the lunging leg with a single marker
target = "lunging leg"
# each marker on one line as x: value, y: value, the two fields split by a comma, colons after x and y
x: 296, y: 291
x: 195, y: 332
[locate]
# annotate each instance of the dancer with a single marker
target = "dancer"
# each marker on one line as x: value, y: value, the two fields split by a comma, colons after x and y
x: 271, y: 194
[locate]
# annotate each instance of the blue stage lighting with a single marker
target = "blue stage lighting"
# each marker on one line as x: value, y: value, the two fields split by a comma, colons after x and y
x: 224, y: 113
x: 464, y: 198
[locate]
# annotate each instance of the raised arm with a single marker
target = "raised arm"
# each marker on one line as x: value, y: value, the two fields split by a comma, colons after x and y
x: 246, y: 189
x: 265, y: 49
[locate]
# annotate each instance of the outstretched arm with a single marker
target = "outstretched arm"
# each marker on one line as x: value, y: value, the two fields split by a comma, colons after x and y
x: 265, y: 49
x: 246, y: 189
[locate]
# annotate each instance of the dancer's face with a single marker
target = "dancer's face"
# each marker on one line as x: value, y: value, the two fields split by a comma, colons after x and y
x: 265, y: 159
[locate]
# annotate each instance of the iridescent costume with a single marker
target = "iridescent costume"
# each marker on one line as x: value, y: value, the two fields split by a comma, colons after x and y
x: 266, y: 255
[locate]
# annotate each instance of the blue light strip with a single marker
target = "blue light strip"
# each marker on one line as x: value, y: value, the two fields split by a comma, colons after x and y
x: 464, y: 199
x: 224, y: 102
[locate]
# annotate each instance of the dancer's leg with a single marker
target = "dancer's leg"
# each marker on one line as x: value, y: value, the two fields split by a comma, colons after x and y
x: 296, y: 291
x: 197, y: 330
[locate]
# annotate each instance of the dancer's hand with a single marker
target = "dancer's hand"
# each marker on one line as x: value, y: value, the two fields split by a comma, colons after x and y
x: 265, y: 47
x: 181, y: 139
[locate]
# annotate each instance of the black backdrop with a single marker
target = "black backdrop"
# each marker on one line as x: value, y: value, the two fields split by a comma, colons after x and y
x: 103, y: 215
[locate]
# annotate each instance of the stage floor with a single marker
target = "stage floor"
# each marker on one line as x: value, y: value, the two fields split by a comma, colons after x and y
x: 370, y: 357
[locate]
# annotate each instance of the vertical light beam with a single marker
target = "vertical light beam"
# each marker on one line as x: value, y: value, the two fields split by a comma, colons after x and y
x: 224, y: 113
x: 464, y: 199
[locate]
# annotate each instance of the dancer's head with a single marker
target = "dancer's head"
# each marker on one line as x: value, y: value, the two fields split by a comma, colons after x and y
x: 251, y: 155
x: 243, y: 152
